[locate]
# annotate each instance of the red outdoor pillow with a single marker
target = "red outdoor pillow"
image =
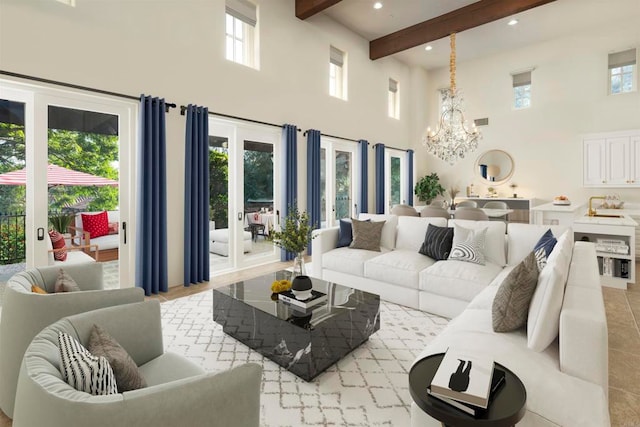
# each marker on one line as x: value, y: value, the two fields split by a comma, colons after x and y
x: 57, y: 241
x: 97, y: 224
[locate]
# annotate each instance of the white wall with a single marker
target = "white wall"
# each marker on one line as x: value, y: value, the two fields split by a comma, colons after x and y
x: 569, y: 98
x: 175, y: 49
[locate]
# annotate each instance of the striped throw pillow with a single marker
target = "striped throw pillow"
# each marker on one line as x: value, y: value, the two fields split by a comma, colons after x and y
x: 437, y: 242
x: 57, y: 241
x: 84, y: 371
x: 472, y: 249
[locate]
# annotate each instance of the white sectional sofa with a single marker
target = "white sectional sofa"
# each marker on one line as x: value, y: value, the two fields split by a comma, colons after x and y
x: 566, y: 381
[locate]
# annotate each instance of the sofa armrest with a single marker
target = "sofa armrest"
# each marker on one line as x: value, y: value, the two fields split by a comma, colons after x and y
x: 215, y: 399
x: 326, y: 240
x: 583, y: 335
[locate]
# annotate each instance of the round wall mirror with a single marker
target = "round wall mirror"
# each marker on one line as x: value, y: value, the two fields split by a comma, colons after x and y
x: 495, y: 167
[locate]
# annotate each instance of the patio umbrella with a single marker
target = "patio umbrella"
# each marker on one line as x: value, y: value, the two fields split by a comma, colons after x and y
x: 57, y: 175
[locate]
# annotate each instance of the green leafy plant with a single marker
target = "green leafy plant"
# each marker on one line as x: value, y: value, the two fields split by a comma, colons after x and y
x: 60, y: 222
x: 428, y: 188
x: 295, y: 234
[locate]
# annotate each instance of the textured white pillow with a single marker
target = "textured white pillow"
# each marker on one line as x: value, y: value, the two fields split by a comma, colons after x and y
x: 84, y: 371
x: 494, y: 244
x: 544, y: 312
x: 388, y: 237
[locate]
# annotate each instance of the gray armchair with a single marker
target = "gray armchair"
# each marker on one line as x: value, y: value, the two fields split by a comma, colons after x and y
x: 404, y: 210
x: 178, y: 391
x: 24, y: 313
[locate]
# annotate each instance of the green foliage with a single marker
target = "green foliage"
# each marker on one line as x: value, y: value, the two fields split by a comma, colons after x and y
x: 219, y: 187
x: 60, y: 222
x: 258, y: 175
x: 428, y: 188
x: 295, y: 234
x: 12, y: 242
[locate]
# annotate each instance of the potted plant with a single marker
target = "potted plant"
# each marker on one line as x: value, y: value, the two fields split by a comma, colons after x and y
x: 428, y: 188
x: 294, y: 236
x: 61, y: 222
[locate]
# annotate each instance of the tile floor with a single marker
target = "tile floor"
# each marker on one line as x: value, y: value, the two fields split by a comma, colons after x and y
x: 623, y: 319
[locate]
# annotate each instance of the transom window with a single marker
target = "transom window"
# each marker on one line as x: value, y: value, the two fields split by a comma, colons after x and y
x: 622, y: 72
x: 522, y: 90
x: 394, y: 98
x: 337, y: 74
x: 241, y: 19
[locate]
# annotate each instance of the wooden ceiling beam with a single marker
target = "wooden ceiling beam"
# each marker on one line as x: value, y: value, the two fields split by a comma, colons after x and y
x: 471, y: 16
x: 308, y: 8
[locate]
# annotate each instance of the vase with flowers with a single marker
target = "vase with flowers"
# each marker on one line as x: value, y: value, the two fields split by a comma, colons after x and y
x: 294, y: 236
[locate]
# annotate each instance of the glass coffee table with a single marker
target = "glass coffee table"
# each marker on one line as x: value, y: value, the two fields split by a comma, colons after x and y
x: 305, y: 342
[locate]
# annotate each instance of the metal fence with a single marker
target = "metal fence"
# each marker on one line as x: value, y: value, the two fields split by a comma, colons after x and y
x: 12, y: 238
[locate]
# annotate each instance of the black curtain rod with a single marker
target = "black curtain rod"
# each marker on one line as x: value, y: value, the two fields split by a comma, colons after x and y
x: 183, y: 109
x: 74, y: 86
x: 393, y: 148
x: 332, y: 136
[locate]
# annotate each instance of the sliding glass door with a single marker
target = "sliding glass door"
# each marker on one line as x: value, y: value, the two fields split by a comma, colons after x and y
x: 337, y: 180
x: 244, y: 194
x: 396, y: 178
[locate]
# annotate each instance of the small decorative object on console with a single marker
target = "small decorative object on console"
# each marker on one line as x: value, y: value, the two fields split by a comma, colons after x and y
x: 561, y: 200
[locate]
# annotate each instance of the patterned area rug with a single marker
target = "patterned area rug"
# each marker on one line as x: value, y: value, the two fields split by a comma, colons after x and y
x: 369, y: 387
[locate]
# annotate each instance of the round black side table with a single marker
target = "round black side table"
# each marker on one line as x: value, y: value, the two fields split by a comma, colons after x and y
x: 506, y: 408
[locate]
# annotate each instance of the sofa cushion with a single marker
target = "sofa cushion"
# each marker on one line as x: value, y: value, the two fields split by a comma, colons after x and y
x: 494, y: 244
x: 366, y: 235
x: 347, y: 260
x: 400, y: 267
x: 511, y: 303
x: 388, y: 236
x: 457, y: 279
x: 57, y: 242
x: 128, y: 376
x: 38, y: 290
x: 84, y: 371
x: 544, y: 312
x: 543, y: 248
x: 522, y: 238
x: 169, y: 367
x: 65, y: 283
x: 96, y: 224
x: 469, y: 246
x: 411, y: 231
x: 437, y: 242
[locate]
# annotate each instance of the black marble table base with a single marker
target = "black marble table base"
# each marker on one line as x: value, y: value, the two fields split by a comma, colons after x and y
x: 304, y: 343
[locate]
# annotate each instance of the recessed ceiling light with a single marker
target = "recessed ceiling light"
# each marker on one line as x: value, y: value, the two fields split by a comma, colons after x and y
x: 428, y: 47
x: 512, y: 22
x: 377, y: 5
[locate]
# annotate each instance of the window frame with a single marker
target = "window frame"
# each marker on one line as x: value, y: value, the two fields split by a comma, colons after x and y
x: 337, y: 73
x: 521, y: 83
x: 393, y: 104
x: 404, y: 183
x: 243, y: 30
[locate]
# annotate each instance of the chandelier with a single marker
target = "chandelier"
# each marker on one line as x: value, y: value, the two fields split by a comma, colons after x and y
x: 452, y: 140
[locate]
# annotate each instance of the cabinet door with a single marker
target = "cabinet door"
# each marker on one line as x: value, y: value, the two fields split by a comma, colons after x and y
x: 635, y: 161
x: 618, y: 161
x: 594, y: 162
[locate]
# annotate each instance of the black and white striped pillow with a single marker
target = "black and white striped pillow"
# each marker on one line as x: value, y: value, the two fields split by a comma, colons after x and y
x: 437, y: 242
x: 84, y: 371
x: 470, y: 250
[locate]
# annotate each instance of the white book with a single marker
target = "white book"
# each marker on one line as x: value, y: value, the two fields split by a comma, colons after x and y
x: 464, y: 377
x: 317, y: 297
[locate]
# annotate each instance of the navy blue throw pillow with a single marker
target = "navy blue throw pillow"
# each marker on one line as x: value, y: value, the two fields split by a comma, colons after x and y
x: 345, y: 234
x: 543, y: 248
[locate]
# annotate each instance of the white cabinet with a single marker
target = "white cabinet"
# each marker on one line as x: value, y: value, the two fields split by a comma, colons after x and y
x: 612, y: 160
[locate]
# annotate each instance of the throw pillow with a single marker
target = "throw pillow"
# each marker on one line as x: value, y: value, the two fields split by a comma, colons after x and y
x: 38, y: 290
x: 96, y: 224
x: 471, y: 249
x: 57, y: 241
x: 128, y: 376
x: 345, y: 234
x: 366, y: 235
x: 65, y: 283
x: 437, y: 242
x: 113, y: 227
x: 511, y: 303
x: 84, y: 371
x: 544, y: 247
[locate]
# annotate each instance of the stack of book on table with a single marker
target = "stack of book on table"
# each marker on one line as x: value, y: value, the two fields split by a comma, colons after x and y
x: 317, y: 298
x: 466, y: 382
